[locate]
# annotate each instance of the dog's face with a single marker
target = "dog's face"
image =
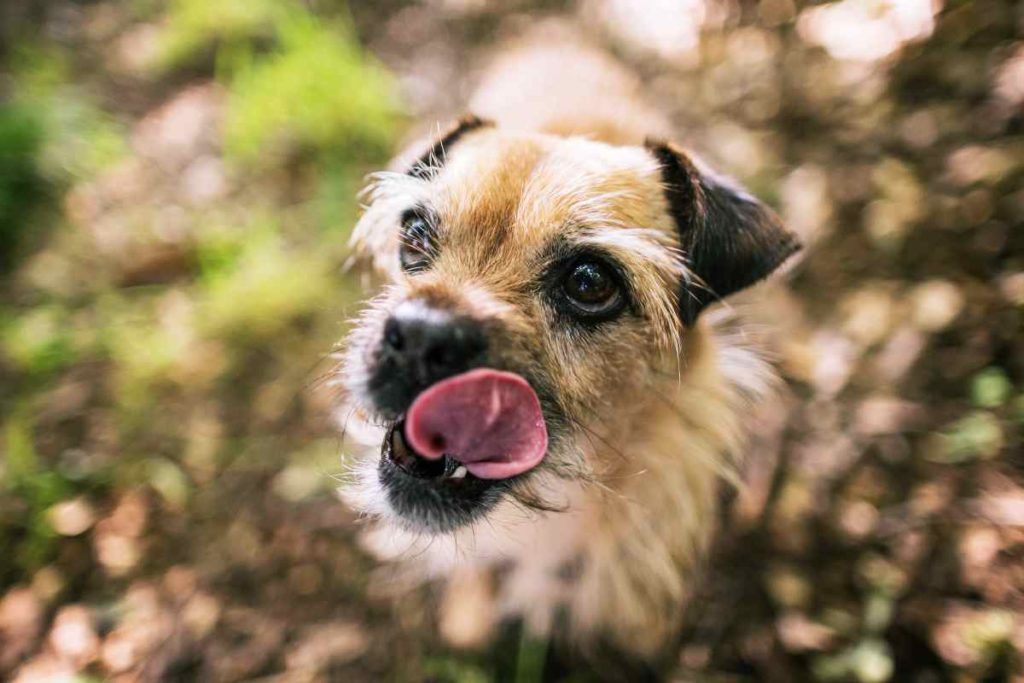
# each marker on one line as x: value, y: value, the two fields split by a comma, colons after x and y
x: 537, y: 286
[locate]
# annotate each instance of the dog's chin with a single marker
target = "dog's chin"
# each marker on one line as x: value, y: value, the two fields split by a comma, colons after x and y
x: 433, y: 496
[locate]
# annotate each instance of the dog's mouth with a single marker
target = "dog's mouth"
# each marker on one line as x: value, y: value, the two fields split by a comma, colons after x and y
x: 397, y: 452
x: 459, y: 443
x: 488, y: 420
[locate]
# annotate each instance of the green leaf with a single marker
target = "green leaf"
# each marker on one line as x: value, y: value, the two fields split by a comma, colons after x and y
x: 990, y: 388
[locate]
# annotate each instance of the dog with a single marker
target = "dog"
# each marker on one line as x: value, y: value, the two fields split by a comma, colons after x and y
x: 542, y: 397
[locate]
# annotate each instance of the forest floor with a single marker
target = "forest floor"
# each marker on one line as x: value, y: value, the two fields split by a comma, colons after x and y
x: 177, y: 187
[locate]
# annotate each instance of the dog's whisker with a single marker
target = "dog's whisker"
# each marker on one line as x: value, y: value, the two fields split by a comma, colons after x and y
x: 591, y: 433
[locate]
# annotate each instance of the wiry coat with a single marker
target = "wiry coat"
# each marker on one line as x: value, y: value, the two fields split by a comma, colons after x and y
x: 647, y: 413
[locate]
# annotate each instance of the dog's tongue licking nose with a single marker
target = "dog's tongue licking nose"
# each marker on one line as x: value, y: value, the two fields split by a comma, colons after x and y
x: 488, y: 420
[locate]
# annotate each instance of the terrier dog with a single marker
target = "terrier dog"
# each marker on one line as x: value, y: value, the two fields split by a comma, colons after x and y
x: 538, y: 384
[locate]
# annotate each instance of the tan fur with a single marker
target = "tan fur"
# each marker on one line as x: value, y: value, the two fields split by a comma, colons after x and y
x: 657, y: 410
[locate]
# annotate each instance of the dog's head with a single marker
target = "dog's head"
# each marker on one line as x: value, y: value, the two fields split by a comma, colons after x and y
x: 536, y: 286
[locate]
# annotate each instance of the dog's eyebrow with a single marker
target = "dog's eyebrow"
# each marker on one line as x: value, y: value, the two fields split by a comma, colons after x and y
x: 635, y: 245
x: 427, y: 166
x: 654, y: 265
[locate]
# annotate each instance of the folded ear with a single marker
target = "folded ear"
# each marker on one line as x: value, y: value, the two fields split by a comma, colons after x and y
x: 730, y: 239
x: 431, y: 161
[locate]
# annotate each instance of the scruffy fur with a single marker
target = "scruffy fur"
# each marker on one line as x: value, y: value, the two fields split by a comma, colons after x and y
x: 614, y: 522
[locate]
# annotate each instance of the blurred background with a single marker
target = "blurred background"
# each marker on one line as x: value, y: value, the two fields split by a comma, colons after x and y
x: 177, y: 186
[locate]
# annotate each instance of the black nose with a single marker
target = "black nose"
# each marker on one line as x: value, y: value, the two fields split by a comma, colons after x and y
x: 433, y: 347
x: 423, y: 347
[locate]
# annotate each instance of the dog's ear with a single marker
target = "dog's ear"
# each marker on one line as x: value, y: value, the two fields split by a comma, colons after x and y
x: 730, y: 239
x: 431, y: 161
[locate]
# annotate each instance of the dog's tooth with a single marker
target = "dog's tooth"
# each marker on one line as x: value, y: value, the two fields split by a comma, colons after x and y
x: 459, y: 472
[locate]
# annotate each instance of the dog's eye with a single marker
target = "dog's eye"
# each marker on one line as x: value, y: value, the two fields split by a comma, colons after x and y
x: 593, y: 289
x: 417, y: 247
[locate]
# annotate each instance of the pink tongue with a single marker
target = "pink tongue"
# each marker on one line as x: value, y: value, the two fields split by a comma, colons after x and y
x: 486, y: 419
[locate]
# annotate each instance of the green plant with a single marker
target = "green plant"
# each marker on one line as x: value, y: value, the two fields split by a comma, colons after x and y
x: 316, y: 91
x: 22, y: 185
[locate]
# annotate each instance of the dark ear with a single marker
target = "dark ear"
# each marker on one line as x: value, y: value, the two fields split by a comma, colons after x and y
x: 427, y: 166
x: 731, y: 240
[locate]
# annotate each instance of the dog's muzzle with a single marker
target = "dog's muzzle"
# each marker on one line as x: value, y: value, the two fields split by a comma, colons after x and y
x: 458, y: 433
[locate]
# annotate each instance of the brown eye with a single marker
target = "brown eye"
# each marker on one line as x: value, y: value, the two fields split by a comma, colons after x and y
x: 592, y: 288
x: 417, y: 248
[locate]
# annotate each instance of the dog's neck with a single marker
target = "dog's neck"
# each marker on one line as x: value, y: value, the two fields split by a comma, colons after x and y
x: 651, y: 519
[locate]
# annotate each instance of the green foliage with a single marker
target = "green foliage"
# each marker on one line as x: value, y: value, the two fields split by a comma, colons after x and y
x: 38, y: 341
x: 990, y: 633
x: 530, y: 658
x: 295, y: 82
x: 21, y: 181
x: 990, y: 388
x: 145, y: 353
x: 976, y: 435
x: 40, y: 70
x: 315, y: 91
x: 452, y: 670
x: 107, y: 386
x: 77, y: 137
x: 81, y: 138
x: 46, y: 137
x: 338, y: 183
x: 264, y: 291
x: 168, y: 479
x: 194, y: 26
x: 21, y: 460
x: 49, y: 134
x: 27, y: 532
x: 218, y: 252
x: 868, y: 661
